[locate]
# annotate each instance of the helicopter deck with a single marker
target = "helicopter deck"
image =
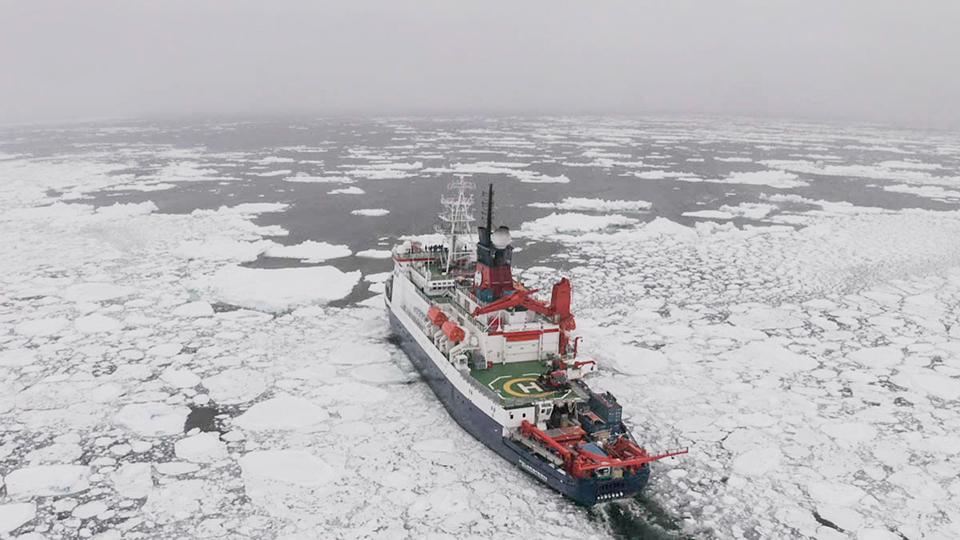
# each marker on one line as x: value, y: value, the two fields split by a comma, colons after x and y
x: 517, y: 382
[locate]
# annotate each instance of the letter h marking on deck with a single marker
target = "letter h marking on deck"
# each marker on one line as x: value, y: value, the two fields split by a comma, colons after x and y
x: 530, y: 388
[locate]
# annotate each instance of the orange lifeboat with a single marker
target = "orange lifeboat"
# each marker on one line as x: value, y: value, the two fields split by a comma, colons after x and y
x: 436, y: 316
x: 453, y: 332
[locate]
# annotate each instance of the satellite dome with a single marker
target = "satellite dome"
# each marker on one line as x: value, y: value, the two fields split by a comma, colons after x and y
x: 501, y: 237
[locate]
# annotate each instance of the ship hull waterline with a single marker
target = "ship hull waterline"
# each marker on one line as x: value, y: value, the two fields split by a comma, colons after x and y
x: 485, y: 429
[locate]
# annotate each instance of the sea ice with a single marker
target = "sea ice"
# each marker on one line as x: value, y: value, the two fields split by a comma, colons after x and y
x: 571, y: 223
x: 176, y: 468
x: 194, y: 309
x: 360, y: 353
x: 90, y: 509
x: 283, y: 412
x: 709, y: 214
x: 41, y: 327
x: 877, y: 356
x: 634, y: 360
x: 216, y: 248
x: 370, y: 212
x: 358, y: 393
x: 928, y: 382
x: 17, y: 357
x: 14, y: 515
x: 766, y: 318
x: 278, y: 289
x: 152, y: 419
x: 180, y: 500
x: 770, y: 356
x: 286, y: 466
x: 531, y: 177
x: 598, y: 205
x: 180, y: 378
x: 775, y: 179
x: 758, y: 461
x: 313, y: 251
x: 352, y: 190
x: 201, y: 448
x: 379, y: 374
x: 845, y: 518
x: 305, y: 179
x: 235, y: 386
x: 95, y: 323
x: 96, y: 292
x: 121, y: 210
x: 749, y: 210
x: 45, y: 480
x: 833, y: 493
x: 374, y: 254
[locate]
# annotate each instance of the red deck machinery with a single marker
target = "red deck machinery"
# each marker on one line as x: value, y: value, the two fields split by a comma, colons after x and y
x: 578, y: 461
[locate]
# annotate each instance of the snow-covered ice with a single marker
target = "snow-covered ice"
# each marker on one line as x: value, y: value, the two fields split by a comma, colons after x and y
x: 288, y: 467
x: 600, y: 205
x: 277, y: 289
x: 370, y: 212
x: 47, y: 480
x: 809, y: 357
x: 310, y: 251
x: 282, y: 412
x: 374, y: 254
x: 14, y: 515
x: 152, y: 419
x: 572, y: 223
x: 201, y: 448
x: 352, y: 190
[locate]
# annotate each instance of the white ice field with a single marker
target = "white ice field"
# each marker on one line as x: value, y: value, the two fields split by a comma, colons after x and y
x: 810, y: 357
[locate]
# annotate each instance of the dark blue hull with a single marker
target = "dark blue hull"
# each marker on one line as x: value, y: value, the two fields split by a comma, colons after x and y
x: 490, y: 433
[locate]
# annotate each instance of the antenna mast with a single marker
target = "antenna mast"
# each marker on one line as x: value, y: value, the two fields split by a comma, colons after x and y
x: 457, y: 218
x: 490, y: 208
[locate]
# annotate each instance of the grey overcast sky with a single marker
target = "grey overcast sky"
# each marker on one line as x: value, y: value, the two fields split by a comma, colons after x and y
x: 872, y: 60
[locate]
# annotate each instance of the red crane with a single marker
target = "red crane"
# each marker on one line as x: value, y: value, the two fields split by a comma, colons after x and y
x: 579, y: 461
x: 557, y: 310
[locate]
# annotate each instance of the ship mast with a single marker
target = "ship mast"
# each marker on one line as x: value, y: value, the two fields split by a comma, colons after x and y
x: 457, y: 218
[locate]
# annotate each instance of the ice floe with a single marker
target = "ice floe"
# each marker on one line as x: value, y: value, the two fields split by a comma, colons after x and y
x: 14, y: 515
x: 201, y: 448
x: 370, y: 212
x: 374, y: 254
x: 45, y: 480
x: 235, y: 386
x: 599, y: 205
x: 286, y: 467
x: 572, y: 223
x: 152, y: 419
x: 282, y: 413
x: 278, y: 289
x: 352, y: 190
x: 310, y: 251
x: 306, y: 179
x: 773, y: 178
x: 198, y: 308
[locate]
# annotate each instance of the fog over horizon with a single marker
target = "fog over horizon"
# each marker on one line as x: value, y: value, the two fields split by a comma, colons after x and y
x: 880, y: 61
